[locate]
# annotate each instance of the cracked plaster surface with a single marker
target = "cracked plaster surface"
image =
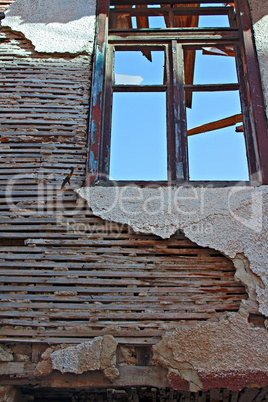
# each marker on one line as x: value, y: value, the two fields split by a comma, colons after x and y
x: 54, y: 25
x: 221, y: 348
x: 97, y: 354
x: 232, y: 220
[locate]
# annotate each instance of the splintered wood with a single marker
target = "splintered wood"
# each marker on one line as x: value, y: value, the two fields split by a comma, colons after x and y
x: 67, y: 275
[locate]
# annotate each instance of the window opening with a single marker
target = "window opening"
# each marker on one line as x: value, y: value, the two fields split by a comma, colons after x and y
x: 215, y: 66
x: 131, y: 67
x: 138, y: 137
x: 138, y: 133
x: 200, y: 80
x: 217, y: 151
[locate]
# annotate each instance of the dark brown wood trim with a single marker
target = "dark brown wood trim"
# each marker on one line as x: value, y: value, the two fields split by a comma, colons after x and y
x: 178, y: 183
x: 211, y: 87
x: 198, y: 36
x: 176, y: 11
x: 180, y: 154
x: 97, y: 90
x: 132, y: 2
x: 254, y: 118
x: 254, y: 93
x: 105, y: 138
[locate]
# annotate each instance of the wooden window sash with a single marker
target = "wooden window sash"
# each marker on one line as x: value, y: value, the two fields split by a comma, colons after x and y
x: 254, y: 118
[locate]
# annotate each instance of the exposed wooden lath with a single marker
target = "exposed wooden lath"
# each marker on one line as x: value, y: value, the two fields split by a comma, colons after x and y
x: 69, y: 276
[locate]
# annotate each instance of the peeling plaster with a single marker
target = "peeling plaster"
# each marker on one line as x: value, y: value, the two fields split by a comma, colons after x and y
x: 215, y: 351
x: 79, y: 358
x: 54, y: 25
x: 232, y: 220
x: 97, y: 354
x: 251, y: 281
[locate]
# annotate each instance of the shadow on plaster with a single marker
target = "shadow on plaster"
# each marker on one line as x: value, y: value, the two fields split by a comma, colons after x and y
x: 259, y: 9
x: 252, y: 283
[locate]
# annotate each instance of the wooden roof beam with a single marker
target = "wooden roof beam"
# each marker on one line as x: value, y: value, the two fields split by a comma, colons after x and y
x: 215, y: 125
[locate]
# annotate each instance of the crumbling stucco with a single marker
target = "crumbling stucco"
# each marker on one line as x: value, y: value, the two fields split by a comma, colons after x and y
x: 251, y: 281
x: 232, y: 220
x: 79, y: 358
x: 54, y: 25
x: 96, y: 354
x: 215, y: 351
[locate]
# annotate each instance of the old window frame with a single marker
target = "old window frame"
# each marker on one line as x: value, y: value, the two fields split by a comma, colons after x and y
x: 251, y: 95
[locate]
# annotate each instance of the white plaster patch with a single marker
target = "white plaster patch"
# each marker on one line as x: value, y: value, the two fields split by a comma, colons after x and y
x: 96, y: 354
x: 54, y: 25
x: 79, y: 358
x: 232, y: 220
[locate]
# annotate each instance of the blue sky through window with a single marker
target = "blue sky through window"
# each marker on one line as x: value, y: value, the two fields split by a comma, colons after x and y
x: 138, y: 145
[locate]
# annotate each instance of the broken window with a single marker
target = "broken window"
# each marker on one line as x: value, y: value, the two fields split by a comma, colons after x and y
x: 172, y: 94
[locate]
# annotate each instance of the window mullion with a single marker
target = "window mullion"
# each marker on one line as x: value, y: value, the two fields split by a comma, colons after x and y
x: 105, y: 143
x: 180, y: 170
x: 258, y: 162
x: 97, y: 90
x: 250, y: 148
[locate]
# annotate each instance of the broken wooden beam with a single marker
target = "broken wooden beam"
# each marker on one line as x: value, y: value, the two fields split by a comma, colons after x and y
x: 216, y: 125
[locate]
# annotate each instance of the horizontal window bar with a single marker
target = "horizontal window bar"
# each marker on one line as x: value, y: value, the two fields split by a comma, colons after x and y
x: 120, y: 44
x: 135, y: 47
x: 184, y: 36
x: 151, y: 12
x: 211, y: 87
x: 168, y: 31
x: 138, y: 2
x: 181, y: 34
x: 178, y: 183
